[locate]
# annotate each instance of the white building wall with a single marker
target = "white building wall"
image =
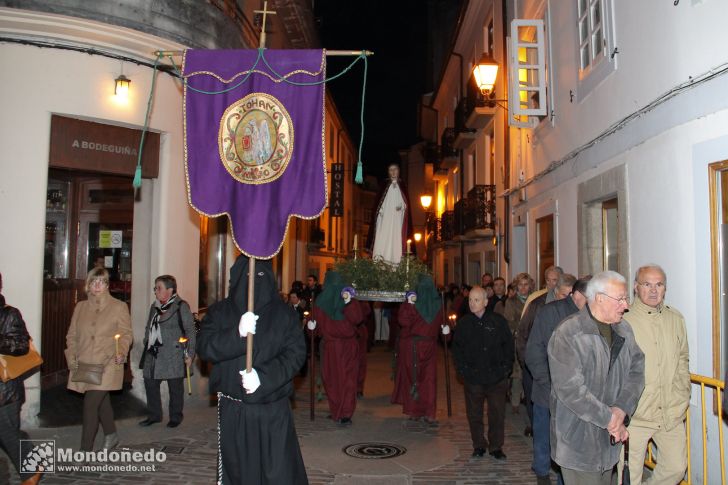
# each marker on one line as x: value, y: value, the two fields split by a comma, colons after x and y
x: 666, y: 153
x: 47, y: 81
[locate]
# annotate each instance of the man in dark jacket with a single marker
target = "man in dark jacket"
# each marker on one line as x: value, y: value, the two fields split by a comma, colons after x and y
x: 257, y: 438
x: 14, y: 340
x: 558, y: 287
x: 597, y: 375
x: 483, y: 354
x: 537, y: 362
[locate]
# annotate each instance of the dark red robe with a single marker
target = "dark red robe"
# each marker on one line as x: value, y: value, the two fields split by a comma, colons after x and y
x: 340, y: 358
x: 417, y: 356
x: 363, y: 336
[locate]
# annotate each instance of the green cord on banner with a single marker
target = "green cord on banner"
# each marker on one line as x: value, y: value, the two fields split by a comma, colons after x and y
x: 359, y: 178
x: 138, y: 172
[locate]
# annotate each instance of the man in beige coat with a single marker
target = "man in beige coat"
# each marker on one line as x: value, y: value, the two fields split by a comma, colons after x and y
x: 660, y: 415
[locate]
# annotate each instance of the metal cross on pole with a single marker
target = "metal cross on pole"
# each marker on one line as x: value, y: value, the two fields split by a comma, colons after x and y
x: 265, y: 13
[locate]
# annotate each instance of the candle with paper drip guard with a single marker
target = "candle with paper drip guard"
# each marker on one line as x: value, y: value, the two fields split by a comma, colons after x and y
x: 183, y: 341
x: 116, y: 343
x: 407, y: 260
x: 356, y: 241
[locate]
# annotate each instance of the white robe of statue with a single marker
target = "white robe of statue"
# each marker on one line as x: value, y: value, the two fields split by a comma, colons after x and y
x: 388, y: 235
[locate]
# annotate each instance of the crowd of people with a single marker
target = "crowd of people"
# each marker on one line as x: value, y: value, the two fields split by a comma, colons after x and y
x: 594, y: 367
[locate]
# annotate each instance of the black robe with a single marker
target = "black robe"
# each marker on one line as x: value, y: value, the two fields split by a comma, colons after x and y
x: 258, y: 442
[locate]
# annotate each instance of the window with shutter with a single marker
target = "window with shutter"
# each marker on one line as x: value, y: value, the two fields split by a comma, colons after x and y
x: 595, y: 44
x: 527, y: 72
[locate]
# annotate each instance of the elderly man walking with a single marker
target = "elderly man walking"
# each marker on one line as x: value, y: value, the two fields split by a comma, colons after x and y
x: 483, y: 354
x: 597, y: 376
x: 660, y: 416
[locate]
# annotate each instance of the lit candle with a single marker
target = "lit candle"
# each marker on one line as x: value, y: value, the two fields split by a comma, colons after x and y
x: 356, y: 240
x: 183, y: 341
x: 116, y: 342
x: 409, y: 246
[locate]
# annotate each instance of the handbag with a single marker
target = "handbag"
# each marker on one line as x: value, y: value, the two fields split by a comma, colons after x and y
x: 88, y: 373
x: 14, y: 366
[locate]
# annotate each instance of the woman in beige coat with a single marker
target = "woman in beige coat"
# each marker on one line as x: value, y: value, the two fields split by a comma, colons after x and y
x: 91, y: 340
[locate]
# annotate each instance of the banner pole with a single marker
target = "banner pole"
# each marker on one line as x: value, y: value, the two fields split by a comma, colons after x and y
x: 251, y: 307
x: 337, y: 53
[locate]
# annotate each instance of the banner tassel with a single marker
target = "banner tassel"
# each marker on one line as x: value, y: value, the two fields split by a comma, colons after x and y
x: 137, y: 177
x: 359, y: 178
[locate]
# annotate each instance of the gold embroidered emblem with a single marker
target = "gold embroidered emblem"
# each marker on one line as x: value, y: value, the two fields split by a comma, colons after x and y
x: 256, y: 139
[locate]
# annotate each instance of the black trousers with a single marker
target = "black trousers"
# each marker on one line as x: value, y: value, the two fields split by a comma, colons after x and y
x: 154, y: 398
x: 96, y: 409
x: 10, y: 436
x: 475, y: 397
x: 527, y: 390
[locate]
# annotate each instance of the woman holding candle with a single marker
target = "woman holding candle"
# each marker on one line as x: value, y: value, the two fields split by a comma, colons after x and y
x: 169, y: 346
x: 91, y: 340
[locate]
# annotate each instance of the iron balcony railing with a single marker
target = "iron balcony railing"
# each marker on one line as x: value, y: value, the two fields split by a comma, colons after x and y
x: 447, y: 226
x: 479, y: 209
x: 447, y: 144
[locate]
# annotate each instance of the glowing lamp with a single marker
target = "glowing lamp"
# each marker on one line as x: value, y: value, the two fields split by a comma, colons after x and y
x: 418, y: 237
x: 121, y: 86
x: 426, y: 201
x: 485, y: 73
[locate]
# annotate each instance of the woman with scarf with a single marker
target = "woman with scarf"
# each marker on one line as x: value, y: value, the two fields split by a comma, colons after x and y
x: 92, y: 339
x: 336, y: 317
x: 166, y: 352
x: 420, y: 319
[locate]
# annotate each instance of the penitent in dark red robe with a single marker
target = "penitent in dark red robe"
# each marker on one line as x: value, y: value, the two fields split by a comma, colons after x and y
x: 340, y: 358
x: 363, y: 335
x: 415, y: 383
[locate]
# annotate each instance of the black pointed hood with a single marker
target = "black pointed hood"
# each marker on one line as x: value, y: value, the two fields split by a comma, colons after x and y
x: 265, y: 284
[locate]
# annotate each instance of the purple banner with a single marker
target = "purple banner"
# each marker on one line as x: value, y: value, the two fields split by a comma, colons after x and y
x: 257, y: 151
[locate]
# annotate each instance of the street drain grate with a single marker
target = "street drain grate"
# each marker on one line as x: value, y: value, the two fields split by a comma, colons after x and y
x: 374, y: 451
x: 173, y: 450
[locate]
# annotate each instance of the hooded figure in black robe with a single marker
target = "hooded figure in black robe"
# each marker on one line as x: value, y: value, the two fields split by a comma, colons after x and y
x: 258, y: 442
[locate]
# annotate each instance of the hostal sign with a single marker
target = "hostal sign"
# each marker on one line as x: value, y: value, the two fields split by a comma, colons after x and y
x: 336, y: 205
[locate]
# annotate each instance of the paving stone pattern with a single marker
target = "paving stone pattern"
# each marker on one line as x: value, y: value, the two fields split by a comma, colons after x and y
x: 192, y: 450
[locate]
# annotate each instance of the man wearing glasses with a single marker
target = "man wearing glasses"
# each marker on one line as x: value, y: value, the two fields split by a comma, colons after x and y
x: 660, y: 415
x: 597, y: 376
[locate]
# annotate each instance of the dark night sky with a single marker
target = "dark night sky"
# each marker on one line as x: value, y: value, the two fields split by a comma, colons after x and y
x: 396, y: 32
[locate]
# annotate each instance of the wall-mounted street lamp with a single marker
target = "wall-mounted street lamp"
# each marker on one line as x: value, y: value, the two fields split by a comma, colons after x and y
x: 485, y: 72
x: 426, y: 201
x: 121, y: 87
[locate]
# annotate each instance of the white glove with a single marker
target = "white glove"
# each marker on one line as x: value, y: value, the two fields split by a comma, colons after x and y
x: 247, y: 324
x: 445, y: 329
x: 251, y: 381
x: 347, y: 297
x: 311, y: 325
x: 412, y: 299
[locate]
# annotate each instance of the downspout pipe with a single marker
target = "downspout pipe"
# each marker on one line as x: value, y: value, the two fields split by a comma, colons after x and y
x: 506, y: 151
x: 463, y: 266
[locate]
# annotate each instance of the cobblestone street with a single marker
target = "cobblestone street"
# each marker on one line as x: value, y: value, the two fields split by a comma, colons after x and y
x: 435, y: 455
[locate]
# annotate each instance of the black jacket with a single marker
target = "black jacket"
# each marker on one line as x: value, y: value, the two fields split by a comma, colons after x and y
x: 14, y: 340
x: 537, y: 358
x: 483, y: 349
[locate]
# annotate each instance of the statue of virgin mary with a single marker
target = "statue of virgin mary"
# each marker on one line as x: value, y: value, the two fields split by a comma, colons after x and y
x: 392, y: 220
